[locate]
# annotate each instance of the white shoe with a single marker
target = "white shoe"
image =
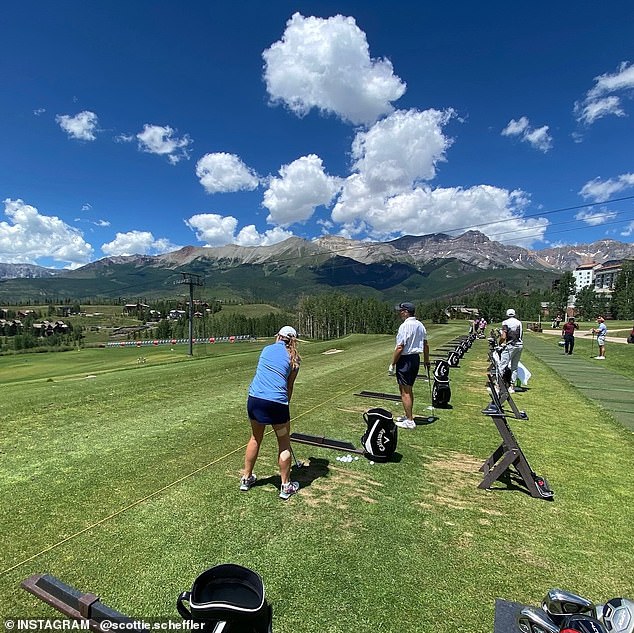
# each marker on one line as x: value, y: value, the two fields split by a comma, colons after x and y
x: 405, y: 423
x: 511, y: 390
x: 599, y: 357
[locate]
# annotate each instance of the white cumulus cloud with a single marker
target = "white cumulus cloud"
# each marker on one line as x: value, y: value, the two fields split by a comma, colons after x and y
x: 401, y: 149
x: 595, y: 217
x: 224, y: 173
x: 137, y: 243
x: 539, y: 138
x: 29, y: 236
x: 493, y: 211
x: 212, y: 228
x: 326, y: 64
x: 161, y: 140
x: 601, y: 190
x: 81, y: 126
x: 303, y: 186
x: 249, y: 236
x: 600, y: 100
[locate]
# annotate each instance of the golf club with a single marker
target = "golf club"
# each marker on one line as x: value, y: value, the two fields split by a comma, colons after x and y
x: 618, y: 615
x: 297, y: 464
x: 430, y: 418
x: 533, y: 620
x: 579, y: 623
x: 559, y: 603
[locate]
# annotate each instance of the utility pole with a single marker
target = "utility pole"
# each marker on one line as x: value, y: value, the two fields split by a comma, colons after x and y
x: 191, y: 279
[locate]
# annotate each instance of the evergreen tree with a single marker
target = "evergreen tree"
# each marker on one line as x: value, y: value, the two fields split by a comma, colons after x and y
x: 622, y: 304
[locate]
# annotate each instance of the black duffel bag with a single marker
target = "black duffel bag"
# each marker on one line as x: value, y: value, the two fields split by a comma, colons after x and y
x: 229, y: 599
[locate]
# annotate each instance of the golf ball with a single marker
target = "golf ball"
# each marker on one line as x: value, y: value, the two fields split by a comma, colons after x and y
x: 371, y: 463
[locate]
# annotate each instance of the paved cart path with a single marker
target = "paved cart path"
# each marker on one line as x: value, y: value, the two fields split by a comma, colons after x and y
x: 612, y: 391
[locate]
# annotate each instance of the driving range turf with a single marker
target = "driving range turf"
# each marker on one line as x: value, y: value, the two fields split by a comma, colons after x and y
x: 121, y: 478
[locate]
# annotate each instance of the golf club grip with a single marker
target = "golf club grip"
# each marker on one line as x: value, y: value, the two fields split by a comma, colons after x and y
x: 181, y: 608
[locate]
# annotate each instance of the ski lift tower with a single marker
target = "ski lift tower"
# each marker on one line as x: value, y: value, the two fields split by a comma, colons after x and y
x: 191, y: 280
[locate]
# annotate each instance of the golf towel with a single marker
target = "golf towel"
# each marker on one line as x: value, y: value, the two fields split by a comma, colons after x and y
x: 523, y: 374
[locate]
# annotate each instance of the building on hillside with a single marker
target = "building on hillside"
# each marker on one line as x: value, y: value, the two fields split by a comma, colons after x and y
x: 176, y: 314
x: 605, y: 276
x: 462, y: 312
x: 48, y: 328
x: 584, y: 275
x: 130, y: 309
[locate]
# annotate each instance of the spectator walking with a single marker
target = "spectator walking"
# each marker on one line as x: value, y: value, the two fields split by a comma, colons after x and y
x: 411, y: 340
x: 568, y: 332
x: 270, y: 393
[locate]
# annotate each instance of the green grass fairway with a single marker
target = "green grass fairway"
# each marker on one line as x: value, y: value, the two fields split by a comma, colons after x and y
x: 121, y: 478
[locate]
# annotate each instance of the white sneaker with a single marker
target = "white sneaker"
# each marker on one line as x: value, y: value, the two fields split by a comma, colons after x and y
x: 405, y: 423
x: 289, y: 489
x: 599, y: 357
x: 247, y: 482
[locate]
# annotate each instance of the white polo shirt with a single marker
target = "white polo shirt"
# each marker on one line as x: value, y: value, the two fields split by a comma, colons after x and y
x: 411, y: 335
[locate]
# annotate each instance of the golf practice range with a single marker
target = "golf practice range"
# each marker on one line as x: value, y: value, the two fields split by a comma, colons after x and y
x: 121, y: 478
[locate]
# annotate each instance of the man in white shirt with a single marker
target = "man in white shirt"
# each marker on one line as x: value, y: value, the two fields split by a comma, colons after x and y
x: 511, y: 336
x: 411, y: 340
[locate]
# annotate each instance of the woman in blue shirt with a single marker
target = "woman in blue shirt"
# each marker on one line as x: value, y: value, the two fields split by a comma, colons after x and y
x: 268, y: 403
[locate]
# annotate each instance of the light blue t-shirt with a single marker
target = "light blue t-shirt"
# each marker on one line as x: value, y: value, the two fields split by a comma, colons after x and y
x: 271, y: 376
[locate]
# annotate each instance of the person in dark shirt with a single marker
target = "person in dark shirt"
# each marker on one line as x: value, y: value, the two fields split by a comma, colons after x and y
x: 568, y: 332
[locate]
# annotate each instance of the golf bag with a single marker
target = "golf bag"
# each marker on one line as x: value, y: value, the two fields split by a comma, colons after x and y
x: 441, y: 391
x: 379, y: 440
x: 228, y: 599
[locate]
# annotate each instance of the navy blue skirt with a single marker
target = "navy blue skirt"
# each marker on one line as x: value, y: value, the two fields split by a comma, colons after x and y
x: 267, y: 411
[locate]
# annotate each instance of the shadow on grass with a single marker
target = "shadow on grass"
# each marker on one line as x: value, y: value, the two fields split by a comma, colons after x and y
x: 313, y: 469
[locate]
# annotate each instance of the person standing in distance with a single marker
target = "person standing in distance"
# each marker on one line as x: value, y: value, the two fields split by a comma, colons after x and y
x: 568, y: 332
x: 411, y: 340
x: 601, y: 331
x: 511, y: 337
x: 270, y: 393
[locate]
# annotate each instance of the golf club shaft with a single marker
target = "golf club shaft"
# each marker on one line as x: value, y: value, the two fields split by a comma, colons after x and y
x: 297, y: 464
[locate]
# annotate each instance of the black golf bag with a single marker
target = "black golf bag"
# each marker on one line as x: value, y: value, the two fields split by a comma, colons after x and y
x: 441, y: 391
x: 379, y: 440
x: 228, y: 599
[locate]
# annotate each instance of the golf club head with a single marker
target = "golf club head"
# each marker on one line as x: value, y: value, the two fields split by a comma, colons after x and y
x: 618, y: 615
x: 579, y: 623
x: 559, y: 603
x: 534, y: 620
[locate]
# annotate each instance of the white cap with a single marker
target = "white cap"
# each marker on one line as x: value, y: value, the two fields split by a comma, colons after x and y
x: 510, y: 312
x: 287, y: 331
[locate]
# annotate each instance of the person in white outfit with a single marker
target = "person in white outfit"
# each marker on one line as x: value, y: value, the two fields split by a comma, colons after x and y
x: 511, y: 338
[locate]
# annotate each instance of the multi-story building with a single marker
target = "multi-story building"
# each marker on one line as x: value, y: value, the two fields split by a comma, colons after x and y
x: 584, y: 275
x: 605, y: 276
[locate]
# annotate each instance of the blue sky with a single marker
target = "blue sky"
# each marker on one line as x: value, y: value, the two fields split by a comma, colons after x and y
x: 145, y: 126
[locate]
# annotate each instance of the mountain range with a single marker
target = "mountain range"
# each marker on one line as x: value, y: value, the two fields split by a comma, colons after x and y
x: 429, y: 266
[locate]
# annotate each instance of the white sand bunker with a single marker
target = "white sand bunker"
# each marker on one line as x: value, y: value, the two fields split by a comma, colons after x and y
x: 332, y: 351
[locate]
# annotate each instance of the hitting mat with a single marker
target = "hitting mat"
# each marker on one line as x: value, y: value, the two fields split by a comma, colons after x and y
x: 506, y: 616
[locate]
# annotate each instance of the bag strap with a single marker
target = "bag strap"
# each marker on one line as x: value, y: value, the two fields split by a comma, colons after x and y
x: 181, y: 608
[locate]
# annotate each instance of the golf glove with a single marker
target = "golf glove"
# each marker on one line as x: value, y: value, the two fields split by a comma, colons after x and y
x: 390, y: 370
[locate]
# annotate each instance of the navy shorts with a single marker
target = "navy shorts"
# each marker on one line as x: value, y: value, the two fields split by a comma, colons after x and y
x: 267, y: 411
x: 407, y: 369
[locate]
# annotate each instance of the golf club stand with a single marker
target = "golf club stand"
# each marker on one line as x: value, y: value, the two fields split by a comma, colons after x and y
x: 84, y: 607
x: 509, y: 454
